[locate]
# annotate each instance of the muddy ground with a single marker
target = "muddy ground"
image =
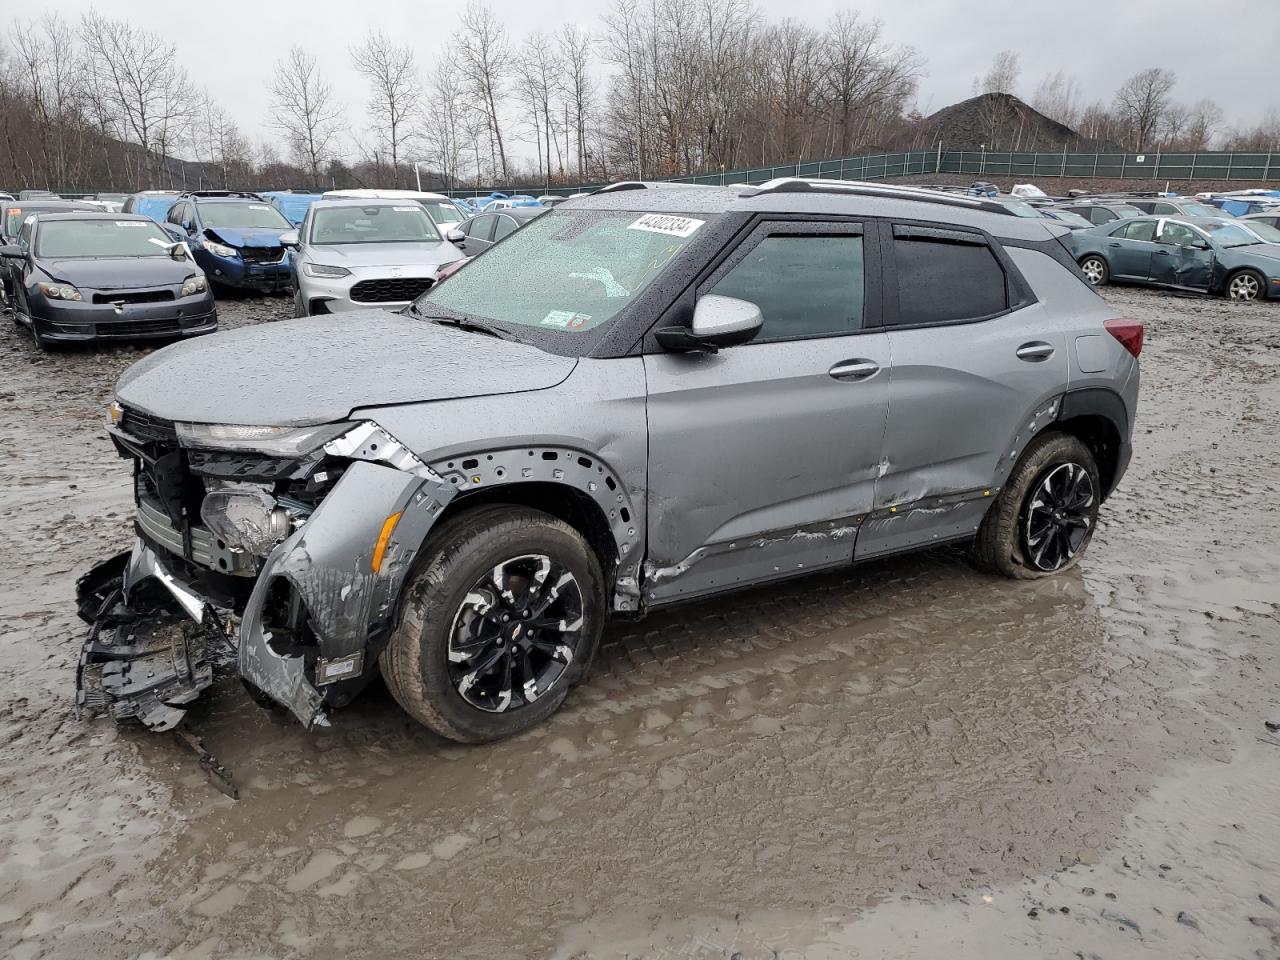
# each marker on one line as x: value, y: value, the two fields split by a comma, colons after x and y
x: 905, y: 760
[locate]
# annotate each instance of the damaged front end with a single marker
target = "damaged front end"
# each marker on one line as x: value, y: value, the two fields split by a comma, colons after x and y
x: 283, y: 549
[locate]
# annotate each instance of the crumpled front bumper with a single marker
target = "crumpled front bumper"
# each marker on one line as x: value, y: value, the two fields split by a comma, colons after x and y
x: 324, y: 570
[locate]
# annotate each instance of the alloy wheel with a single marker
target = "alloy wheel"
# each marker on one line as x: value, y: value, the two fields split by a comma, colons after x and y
x: 1057, y: 516
x: 1243, y: 287
x: 515, y: 633
x: 1093, y: 270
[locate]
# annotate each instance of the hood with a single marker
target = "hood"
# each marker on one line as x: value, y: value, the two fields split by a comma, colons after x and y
x: 1265, y: 251
x: 245, y: 237
x: 318, y: 369
x: 386, y: 254
x: 119, y: 273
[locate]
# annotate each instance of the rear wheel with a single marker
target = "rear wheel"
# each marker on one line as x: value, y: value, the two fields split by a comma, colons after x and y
x: 1245, y: 285
x: 1043, y: 520
x: 1095, y: 270
x: 500, y: 619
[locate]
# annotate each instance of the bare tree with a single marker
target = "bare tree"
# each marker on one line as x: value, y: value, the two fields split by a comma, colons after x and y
x: 1057, y: 97
x: 1003, y: 75
x: 485, y: 59
x: 861, y: 73
x: 140, y: 82
x: 578, y: 89
x: 1263, y: 137
x: 539, y: 70
x: 443, y: 123
x: 304, y: 110
x: 1204, y: 118
x: 397, y: 92
x: 49, y: 76
x: 1142, y: 105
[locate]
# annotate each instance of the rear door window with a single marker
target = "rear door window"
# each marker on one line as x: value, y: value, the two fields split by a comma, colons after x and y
x: 482, y: 227
x: 505, y: 226
x: 946, y: 276
x: 1142, y: 230
x: 1160, y: 209
x: 1102, y: 215
x: 805, y: 286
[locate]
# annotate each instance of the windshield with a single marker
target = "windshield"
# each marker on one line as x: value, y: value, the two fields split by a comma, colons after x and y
x: 442, y: 212
x: 241, y: 216
x: 1126, y: 211
x: 1190, y: 209
x: 1264, y: 230
x: 404, y: 223
x: 1020, y: 208
x: 63, y: 239
x: 1232, y: 235
x: 568, y: 271
x: 1072, y: 219
x: 13, y: 216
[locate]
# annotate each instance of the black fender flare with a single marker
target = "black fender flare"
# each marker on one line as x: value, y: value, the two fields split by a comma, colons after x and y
x: 1106, y: 404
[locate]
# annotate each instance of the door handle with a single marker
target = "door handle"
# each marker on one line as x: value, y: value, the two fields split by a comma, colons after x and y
x: 1035, y: 352
x: 859, y: 369
x: 1162, y: 253
x: 1113, y: 245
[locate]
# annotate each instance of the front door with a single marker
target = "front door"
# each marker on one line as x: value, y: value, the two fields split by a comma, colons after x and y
x: 763, y: 457
x: 1183, y: 257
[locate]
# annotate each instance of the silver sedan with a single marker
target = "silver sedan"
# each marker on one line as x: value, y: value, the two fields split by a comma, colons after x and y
x: 355, y: 254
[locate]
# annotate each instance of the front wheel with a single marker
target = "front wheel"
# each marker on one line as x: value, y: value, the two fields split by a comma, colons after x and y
x: 1245, y: 285
x: 1044, y: 518
x: 499, y: 620
x: 1095, y: 270
x: 299, y: 307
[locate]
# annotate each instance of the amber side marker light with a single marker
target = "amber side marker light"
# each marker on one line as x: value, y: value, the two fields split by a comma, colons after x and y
x: 384, y: 538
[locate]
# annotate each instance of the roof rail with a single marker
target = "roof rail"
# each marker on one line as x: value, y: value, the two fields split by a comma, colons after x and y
x: 864, y: 189
x: 241, y: 194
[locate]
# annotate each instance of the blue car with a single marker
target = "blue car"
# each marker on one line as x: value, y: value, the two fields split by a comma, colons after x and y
x: 1204, y: 254
x: 294, y: 206
x: 234, y: 237
x: 151, y: 203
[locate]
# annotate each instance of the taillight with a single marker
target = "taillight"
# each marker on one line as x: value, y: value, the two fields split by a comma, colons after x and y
x: 1128, y: 332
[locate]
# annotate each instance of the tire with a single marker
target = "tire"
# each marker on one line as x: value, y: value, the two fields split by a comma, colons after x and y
x: 452, y: 597
x: 1007, y: 541
x: 42, y: 342
x: 1245, y: 285
x: 1095, y: 270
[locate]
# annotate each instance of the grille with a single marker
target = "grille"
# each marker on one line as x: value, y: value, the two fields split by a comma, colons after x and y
x: 143, y: 426
x: 262, y: 254
x: 386, y: 291
x: 134, y: 296
x: 138, y: 328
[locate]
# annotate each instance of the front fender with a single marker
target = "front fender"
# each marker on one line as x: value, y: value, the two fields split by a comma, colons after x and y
x: 319, y: 612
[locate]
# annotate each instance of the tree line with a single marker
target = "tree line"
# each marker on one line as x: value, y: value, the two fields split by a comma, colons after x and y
x: 661, y: 88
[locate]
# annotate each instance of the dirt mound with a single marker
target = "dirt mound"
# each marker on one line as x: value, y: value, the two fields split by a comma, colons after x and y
x: 1000, y: 121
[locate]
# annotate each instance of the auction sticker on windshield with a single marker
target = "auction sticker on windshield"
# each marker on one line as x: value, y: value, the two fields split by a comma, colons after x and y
x: 667, y: 224
x: 566, y: 319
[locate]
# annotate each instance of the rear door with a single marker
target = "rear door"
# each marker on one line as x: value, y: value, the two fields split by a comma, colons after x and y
x: 763, y: 457
x: 480, y: 234
x: 1129, y: 250
x: 974, y: 358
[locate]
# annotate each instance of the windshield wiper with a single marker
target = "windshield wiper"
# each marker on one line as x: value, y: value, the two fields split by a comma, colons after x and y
x: 459, y: 322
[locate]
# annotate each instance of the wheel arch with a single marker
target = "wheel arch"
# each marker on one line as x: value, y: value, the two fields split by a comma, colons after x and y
x: 1098, y: 418
x: 574, y: 486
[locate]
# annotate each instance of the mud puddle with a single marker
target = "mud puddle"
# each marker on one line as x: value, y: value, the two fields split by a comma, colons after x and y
x: 906, y: 759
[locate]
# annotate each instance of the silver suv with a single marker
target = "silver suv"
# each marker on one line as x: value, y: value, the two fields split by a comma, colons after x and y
x: 649, y: 395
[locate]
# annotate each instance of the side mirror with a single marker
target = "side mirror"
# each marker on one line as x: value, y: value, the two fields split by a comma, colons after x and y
x: 456, y: 237
x: 717, y: 322
x: 179, y: 251
x: 12, y: 251
x: 289, y: 239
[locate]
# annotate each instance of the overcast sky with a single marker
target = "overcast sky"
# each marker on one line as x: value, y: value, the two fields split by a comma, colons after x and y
x: 1227, y: 53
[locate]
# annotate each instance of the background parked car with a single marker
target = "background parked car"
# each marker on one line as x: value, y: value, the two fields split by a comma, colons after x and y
x: 1097, y: 212
x: 479, y: 233
x: 439, y: 207
x: 1205, y: 254
x: 1066, y: 217
x: 293, y: 206
x: 80, y: 277
x: 151, y: 203
x: 352, y: 254
x: 1173, y: 207
x: 235, y: 238
x: 14, y: 212
x: 1271, y: 218
x: 37, y: 195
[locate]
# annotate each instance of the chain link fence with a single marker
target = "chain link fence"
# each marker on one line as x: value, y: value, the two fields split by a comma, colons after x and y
x: 1157, y: 167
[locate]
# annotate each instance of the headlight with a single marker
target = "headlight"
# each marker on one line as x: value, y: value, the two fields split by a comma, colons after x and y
x: 59, y: 291
x: 324, y: 270
x: 275, y: 441
x: 245, y: 516
x: 219, y: 249
x: 196, y: 284
x: 115, y: 412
